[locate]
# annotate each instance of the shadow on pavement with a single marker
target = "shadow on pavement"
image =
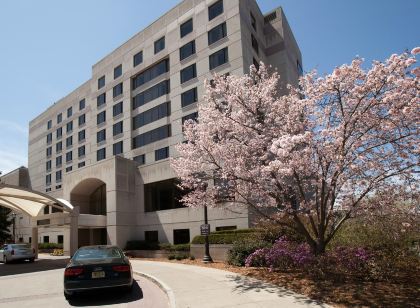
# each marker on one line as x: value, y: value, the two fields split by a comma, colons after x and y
x: 244, y: 284
x: 107, y: 297
x: 23, y: 267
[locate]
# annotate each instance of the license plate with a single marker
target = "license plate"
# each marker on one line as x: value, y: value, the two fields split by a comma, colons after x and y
x: 98, y: 274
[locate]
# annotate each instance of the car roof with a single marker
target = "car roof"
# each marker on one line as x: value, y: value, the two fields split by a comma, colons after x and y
x: 99, y: 247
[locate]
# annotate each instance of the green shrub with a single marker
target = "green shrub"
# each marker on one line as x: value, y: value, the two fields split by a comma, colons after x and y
x: 171, y: 257
x: 142, y: 245
x: 243, y: 248
x: 178, y: 247
x: 50, y: 246
x: 192, y: 258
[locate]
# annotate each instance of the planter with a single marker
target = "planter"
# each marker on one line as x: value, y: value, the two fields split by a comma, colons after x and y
x: 150, y: 253
x: 218, y: 252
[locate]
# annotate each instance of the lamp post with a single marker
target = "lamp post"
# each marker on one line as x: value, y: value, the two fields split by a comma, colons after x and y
x: 207, y: 258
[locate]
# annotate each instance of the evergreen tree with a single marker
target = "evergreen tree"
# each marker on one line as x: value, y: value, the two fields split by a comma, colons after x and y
x: 5, y: 223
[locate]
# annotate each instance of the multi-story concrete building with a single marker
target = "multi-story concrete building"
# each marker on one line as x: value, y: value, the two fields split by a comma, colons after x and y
x: 105, y: 147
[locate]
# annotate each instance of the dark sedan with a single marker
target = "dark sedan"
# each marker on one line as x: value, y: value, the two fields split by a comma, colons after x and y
x: 95, y: 267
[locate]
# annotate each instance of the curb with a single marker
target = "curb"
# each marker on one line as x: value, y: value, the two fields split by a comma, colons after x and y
x: 162, y: 286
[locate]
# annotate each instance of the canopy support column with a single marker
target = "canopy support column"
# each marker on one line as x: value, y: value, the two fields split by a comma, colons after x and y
x: 74, y: 230
x: 34, y: 241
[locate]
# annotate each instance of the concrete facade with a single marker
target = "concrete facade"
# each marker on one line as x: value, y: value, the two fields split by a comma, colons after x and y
x: 121, y: 178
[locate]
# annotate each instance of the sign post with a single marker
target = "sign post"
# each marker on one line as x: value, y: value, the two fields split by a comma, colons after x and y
x: 205, y: 230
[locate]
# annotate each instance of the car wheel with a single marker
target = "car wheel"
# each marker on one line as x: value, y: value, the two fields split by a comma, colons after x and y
x: 31, y: 260
x: 5, y: 260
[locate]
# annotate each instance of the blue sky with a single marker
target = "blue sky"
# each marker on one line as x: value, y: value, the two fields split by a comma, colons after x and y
x: 47, y: 47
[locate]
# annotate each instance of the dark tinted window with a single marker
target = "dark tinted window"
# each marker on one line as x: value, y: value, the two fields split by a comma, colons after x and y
x: 59, y: 118
x: 100, y: 154
x: 118, y: 71
x: 59, y: 132
x: 117, y: 148
x: 138, y: 58
x: 48, y: 179
x: 82, y: 164
x: 82, y: 135
x: 151, y: 73
x: 49, y: 138
x: 69, y: 112
x: 187, y: 50
x: 189, y: 97
x: 49, y: 151
x: 82, y: 119
x: 188, y: 73
x: 100, y: 118
x: 69, y: 156
x: 254, y: 43
x: 101, y: 82
x: 101, y: 99
x: 117, y: 90
x: 192, y: 116
x: 58, y: 161
x: 151, y: 115
x: 181, y: 236
x: 101, y: 136
x: 162, y: 153
x: 48, y: 165
x: 150, y: 94
x: 81, y: 151
x: 186, y: 27
x: 215, y: 9
x: 89, y: 253
x: 159, y: 45
x: 217, y: 33
x: 69, y: 126
x: 141, y: 159
x: 152, y: 136
x: 117, y: 128
x: 82, y: 104
x: 49, y: 124
x: 151, y: 236
x: 69, y: 141
x: 58, y: 146
x: 117, y: 109
x: 58, y: 175
x: 162, y: 195
x: 218, y: 58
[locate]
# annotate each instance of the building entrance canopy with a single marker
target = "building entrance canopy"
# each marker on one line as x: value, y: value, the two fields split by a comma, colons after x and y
x: 29, y: 201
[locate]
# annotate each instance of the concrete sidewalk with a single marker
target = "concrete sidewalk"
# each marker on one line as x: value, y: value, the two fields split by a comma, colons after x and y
x: 193, y: 286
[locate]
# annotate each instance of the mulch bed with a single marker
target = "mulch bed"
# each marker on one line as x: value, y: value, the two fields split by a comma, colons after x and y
x: 403, y: 291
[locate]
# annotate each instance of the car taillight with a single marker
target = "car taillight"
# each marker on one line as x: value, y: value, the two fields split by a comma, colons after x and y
x: 121, y: 268
x: 73, y: 271
x: 12, y: 252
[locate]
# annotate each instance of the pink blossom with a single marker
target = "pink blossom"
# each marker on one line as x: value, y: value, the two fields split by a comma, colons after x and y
x: 415, y: 51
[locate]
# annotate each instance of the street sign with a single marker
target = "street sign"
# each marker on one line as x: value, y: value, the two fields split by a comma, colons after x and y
x: 205, y: 229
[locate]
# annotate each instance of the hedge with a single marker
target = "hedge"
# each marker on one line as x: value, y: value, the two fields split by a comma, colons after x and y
x: 225, y: 237
x: 50, y: 246
x: 143, y: 245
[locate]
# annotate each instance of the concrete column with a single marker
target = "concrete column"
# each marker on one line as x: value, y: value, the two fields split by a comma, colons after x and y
x: 66, y: 240
x: 74, y: 230
x: 34, y: 242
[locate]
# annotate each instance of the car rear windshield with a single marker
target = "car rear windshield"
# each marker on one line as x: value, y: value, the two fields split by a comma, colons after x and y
x: 20, y: 246
x: 97, y: 253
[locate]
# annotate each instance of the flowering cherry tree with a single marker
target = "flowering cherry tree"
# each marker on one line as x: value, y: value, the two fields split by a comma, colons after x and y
x: 315, y: 154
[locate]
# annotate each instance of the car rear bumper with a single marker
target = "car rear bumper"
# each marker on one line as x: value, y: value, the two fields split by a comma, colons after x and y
x: 20, y: 257
x: 82, y: 285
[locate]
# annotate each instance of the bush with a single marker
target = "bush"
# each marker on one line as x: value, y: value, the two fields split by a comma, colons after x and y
x: 142, y: 245
x: 50, y: 246
x: 192, y: 258
x: 178, y: 247
x: 243, y: 248
x: 171, y: 257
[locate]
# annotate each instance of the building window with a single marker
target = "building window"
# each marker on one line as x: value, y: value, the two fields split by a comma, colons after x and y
x: 46, y: 210
x: 49, y: 138
x: 59, y: 118
x: 151, y: 73
x: 254, y: 43
x: 218, y: 58
x: 192, y: 116
x: 138, y: 58
x: 117, y: 109
x: 82, y: 104
x: 186, y: 27
x: 151, y: 236
x: 48, y: 166
x: 60, y: 239
x: 69, y: 112
x: 59, y: 132
x: 101, y: 99
x: 48, y: 179
x: 49, y: 151
x: 159, y: 44
x: 101, y: 117
x: 117, y: 148
x: 162, y: 153
x: 69, y: 156
x: 82, y: 135
x: 58, y: 175
x: 152, y: 136
x: 188, y: 73
x: 150, y: 94
x: 253, y: 22
x: 82, y: 119
x: 117, y: 71
x: 69, y: 141
x: 117, y: 128
x: 58, y: 161
x: 189, y: 97
x: 81, y: 164
x: 151, y: 115
x: 141, y: 159
x: 49, y: 124
x: 46, y: 239
x: 216, y: 33
x: 69, y: 126
x: 215, y: 9
x: 100, y: 154
x: 117, y: 90
x: 81, y: 151
x: 100, y: 136
x: 68, y: 169
x: 58, y: 147
x: 162, y: 195
x: 181, y: 236
x: 187, y: 50
x: 101, y: 82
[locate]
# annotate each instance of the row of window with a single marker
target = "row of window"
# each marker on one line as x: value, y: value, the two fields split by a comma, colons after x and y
x: 69, y: 143
x: 160, y: 154
x: 82, y: 105
x: 152, y: 136
x: 151, y: 115
x: 151, y: 73
x: 58, y: 175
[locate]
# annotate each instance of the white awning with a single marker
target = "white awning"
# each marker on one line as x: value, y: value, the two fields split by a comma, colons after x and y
x: 28, y: 201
